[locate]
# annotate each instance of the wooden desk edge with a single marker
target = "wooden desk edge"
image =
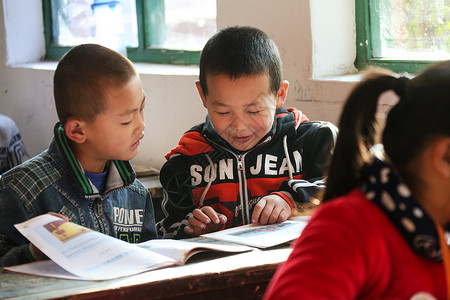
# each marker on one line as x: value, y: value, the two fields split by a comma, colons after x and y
x: 220, y: 282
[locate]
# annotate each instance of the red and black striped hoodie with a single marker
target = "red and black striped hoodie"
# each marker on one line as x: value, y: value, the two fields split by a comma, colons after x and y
x: 203, y: 169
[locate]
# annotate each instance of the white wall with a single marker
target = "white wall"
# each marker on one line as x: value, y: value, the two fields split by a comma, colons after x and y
x: 315, y: 38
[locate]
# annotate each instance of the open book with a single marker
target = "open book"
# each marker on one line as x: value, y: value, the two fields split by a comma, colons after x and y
x: 263, y: 236
x: 77, y: 252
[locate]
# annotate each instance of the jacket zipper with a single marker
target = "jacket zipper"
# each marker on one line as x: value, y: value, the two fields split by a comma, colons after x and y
x: 97, y: 207
x: 242, y: 178
x: 243, y: 188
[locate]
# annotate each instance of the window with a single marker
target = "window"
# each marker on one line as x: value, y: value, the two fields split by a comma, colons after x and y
x: 157, y: 31
x: 402, y: 35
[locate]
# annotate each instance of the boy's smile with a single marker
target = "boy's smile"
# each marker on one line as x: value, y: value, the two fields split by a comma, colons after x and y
x: 242, y: 110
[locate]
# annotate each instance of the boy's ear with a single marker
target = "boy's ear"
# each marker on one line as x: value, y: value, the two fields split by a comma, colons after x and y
x: 74, y: 129
x: 200, y: 92
x: 282, y: 93
x: 441, y: 157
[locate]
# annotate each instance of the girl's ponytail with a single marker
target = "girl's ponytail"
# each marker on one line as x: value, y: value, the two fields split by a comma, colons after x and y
x: 357, y: 134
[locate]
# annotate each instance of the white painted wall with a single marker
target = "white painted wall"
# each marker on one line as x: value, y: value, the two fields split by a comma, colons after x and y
x: 315, y: 38
x: 24, y: 27
x: 333, y: 44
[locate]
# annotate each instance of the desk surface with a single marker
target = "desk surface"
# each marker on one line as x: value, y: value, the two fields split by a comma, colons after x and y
x: 208, y: 275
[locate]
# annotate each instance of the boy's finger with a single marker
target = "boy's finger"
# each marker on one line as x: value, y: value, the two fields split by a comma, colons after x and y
x: 196, y: 223
x: 275, y: 215
x: 211, y: 213
x: 193, y: 231
x: 223, y: 219
x: 59, y: 216
x: 283, y: 216
x: 188, y: 229
x: 264, y: 217
x: 214, y: 227
x: 201, y: 216
x: 266, y: 214
x: 259, y: 207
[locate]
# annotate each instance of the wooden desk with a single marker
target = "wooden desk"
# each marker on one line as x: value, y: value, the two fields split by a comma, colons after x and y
x: 237, y: 276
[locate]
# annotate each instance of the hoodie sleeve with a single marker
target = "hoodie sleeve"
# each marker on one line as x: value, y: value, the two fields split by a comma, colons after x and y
x: 315, y: 140
x: 177, y: 204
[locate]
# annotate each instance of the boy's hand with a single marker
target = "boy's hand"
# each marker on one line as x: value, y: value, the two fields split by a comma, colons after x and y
x: 271, y: 209
x: 36, y: 253
x: 205, y: 220
x: 59, y: 216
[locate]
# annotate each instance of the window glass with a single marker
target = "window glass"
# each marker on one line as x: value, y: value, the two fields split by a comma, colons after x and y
x: 188, y: 24
x: 156, y: 31
x: 109, y: 23
x: 410, y: 29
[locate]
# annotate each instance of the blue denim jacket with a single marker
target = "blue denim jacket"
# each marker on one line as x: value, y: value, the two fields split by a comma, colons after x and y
x: 54, y: 181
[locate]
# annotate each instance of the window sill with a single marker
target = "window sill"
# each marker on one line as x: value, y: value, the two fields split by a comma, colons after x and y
x: 142, y: 68
x: 164, y: 69
x: 350, y: 78
x: 355, y: 77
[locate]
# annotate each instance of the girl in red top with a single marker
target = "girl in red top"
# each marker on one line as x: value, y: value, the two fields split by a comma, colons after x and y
x: 379, y: 233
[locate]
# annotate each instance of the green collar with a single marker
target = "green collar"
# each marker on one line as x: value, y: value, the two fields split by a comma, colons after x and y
x: 123, y: 167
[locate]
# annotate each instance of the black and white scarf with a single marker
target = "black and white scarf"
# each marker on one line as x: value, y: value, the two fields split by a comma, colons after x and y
x: 383, y: 187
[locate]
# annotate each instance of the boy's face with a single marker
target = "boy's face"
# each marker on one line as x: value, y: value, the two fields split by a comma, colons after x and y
x: 116, y: 133
x: 241, y: 110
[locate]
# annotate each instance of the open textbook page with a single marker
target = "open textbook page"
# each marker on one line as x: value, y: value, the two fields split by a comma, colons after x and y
x: 80, y: 253
x: 263, y: 236
x: 182, y: 250
x: 86, y: 253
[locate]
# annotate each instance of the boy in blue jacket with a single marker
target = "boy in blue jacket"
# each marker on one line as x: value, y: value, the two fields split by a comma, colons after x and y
x: 252, y: 160
x: 85, y: 173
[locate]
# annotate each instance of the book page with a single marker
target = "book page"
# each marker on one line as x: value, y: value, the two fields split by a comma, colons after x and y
x: 86, y: 253
x: 262, y: 236
x: 47, y: 268
x: 182, y: 250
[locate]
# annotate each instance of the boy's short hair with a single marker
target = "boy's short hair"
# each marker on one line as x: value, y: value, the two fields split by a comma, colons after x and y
x: 241, y: 51
x: 82, y: 76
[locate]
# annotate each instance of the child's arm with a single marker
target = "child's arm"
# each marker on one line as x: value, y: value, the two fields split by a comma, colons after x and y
x: 205, y: 220
x: 271, y: 209
x: 177, y: 204
x: 315, y: 140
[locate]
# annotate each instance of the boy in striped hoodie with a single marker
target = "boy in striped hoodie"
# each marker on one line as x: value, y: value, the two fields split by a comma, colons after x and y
x: 252, y: 160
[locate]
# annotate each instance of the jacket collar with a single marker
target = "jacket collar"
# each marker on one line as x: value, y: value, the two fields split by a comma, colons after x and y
x: 284, y: 120
x: 195, y: 140
x: 120, y: 172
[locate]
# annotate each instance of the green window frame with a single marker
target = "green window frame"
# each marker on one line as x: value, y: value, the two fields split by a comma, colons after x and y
x: 150, y: 22
x: 368, y: 38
